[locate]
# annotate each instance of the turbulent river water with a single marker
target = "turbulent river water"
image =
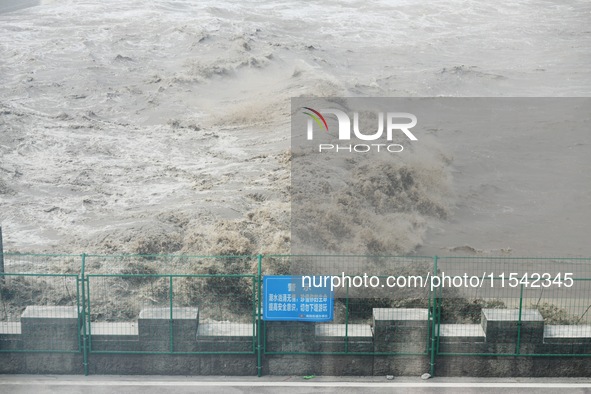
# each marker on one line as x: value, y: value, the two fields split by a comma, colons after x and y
x: 163, y: 126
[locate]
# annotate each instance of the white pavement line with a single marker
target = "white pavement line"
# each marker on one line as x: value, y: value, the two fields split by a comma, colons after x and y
x: 292, y: 384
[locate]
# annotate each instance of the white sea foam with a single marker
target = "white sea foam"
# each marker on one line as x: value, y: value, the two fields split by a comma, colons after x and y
x: 126, y: 121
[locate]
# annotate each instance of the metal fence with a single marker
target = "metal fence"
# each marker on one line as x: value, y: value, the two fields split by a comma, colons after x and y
x: 548, y: 298
x: 353, y: 306
x: 157, y: 304
x: 219, y: 292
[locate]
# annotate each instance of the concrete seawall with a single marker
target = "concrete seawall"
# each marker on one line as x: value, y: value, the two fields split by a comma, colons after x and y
x: 49, y: 339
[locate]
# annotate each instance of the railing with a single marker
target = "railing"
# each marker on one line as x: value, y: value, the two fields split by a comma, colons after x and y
x: 207, y: 305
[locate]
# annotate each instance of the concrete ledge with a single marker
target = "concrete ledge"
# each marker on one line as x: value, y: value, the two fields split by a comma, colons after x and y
x: 164, y: 314
x: 115, y: 329
x: 501, y: 325
x: 512, y: 315
x: 226, y: 331
x: 10, y: 328
x: 225, y: 337
x: 567, y: 334
x: 357, y: 331
x: 10, y: 336
x: 391, y: 346
x: 109, y: 336
x: 461, y: 333
x: 154, y: 327
x: 331, y: 338
x: 400, y: 314
x: 50, y: 328
x: 50, y: 312
x: 400, y: 330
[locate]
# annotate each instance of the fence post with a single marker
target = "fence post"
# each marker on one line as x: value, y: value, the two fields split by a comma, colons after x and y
x: 1, y: 258
x: 170, y: 322
x: 259, y: 333
x: 518, y: 344
x: 255, y: 303
x: 84, y: 316
x: 433, y: 323
x: 346, y: 321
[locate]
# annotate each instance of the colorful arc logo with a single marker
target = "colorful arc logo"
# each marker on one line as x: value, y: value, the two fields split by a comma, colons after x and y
x: 317, y: 116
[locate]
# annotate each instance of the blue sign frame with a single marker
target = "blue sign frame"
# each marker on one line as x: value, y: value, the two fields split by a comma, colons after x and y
x: 284, y: 299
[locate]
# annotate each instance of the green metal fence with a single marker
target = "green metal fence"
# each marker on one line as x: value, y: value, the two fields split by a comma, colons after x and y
x: 353, y: 305
x: 24, y: 297
x: 158, y: 304
x: 28, y: 285
x: 163, y: 297
x: 548, y: 299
